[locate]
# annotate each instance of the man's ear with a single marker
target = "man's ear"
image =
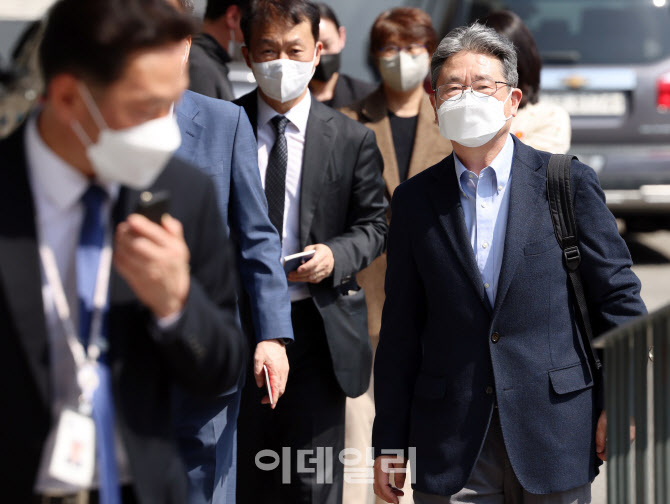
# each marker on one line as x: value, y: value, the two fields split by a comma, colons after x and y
x: 432, y: 102
x: 187, y: 51
x: 317, y: 58
x: 515, y: 100
x: 233, y: 16
x: 343, y: 36
x: 65, y: 99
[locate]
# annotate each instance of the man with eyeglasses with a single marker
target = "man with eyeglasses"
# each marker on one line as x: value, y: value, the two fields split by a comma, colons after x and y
x: 480, y: 375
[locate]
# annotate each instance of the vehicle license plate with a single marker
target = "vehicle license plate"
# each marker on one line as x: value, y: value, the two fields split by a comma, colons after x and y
x: 585, y: 103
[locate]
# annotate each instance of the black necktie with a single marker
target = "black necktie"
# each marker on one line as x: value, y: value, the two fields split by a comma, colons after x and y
x: 275, y: 176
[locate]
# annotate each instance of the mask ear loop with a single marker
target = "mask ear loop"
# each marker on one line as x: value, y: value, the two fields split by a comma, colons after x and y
x: 92, y: 106
x: 81, y: 134
x: 510, y: 94
x: 232, y: 39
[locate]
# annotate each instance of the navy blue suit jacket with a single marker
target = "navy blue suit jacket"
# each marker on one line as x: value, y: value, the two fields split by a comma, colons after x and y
x: 218, y: 138
x: 439, y: 369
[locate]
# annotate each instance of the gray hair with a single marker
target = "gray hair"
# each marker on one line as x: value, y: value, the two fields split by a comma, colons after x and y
x: 479, y: 39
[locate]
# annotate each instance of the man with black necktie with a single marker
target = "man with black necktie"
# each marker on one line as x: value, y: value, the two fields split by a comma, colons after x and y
x: 103, y: 311
x: 322, y: 177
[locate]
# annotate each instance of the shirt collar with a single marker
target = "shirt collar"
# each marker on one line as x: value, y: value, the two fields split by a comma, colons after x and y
x: 298, y: 115
x: 501, y: 166
x: 60, y: 183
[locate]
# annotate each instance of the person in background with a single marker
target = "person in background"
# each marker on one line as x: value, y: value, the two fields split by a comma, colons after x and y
x: 103, y: 311
x: 400, y: 113
x: 481, y: 376
x: 543, y: 126
x: 218, y: 44
x: 21, y: 83
x: 218, y: 138
x: 322, y: 175
x: 328, y: 85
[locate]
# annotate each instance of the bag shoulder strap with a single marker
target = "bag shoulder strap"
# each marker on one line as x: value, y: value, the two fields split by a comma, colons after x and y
x: 565, y: 228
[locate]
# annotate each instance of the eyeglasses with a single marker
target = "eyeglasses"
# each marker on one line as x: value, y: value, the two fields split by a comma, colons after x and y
x: 482, y: 87
x: 390, y: 51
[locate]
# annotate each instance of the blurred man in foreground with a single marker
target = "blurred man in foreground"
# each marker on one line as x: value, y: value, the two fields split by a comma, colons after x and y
x: 92, y: 351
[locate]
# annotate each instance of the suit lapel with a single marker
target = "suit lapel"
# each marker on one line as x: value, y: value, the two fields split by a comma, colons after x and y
x: 447, y: 204
x: 376, y: 115
x: 20, y: 262
x: 187, y: 112
x: 319, y: 140
x: 526, y: 202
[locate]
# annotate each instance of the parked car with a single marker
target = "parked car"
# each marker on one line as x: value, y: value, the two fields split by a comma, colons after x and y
x: 608, y: 64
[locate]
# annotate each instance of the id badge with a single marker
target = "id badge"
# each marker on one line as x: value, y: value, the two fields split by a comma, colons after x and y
x: 73, y: 459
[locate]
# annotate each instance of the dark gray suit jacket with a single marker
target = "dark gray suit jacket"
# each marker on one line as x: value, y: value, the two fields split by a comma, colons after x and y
x: 342, y: 205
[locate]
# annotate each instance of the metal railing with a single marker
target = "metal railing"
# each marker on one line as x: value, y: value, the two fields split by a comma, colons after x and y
x: 637, y: 393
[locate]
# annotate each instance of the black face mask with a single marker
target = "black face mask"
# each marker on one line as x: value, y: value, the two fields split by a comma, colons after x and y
x: 329, y: 64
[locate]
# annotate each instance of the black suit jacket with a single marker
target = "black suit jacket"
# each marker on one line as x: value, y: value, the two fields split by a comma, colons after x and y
x: 342, y: 205
x: 205, y: 352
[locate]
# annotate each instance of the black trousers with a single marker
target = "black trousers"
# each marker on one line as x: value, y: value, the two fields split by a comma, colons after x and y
x: 290, y: 455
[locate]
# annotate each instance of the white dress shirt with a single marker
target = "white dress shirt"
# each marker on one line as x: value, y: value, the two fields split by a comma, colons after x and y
x: 485, y: 201
x: 295, y: 142
x: 57, y: 189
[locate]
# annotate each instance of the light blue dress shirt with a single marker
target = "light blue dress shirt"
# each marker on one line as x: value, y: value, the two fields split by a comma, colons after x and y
x: 485, y: 201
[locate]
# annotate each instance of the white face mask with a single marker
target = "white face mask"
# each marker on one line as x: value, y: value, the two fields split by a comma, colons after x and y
x: 283, y: 79
x: 471, y: 120
x: 134, y: 156
x: 404, y: 71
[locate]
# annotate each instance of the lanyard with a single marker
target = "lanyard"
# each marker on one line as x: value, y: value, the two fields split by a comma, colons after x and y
x: 85, y: 361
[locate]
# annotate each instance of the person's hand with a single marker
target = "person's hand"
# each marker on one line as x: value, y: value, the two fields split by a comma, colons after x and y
x: 320, y: 266
x: 272, y: 354
x: 384, y: 466
x: 154, y: 260
x: 601, y: 436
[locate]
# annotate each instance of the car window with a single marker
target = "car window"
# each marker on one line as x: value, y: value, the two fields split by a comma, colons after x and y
x: 592, y: 31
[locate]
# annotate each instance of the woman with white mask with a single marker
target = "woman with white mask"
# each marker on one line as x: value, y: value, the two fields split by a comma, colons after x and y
x: 402, y: 41
x: 541, y: 124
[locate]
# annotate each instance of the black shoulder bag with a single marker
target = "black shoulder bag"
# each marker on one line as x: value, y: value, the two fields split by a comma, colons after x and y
x: 565, y: 228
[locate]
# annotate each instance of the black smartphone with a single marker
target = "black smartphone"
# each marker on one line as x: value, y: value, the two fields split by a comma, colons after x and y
x: 153, y: 205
